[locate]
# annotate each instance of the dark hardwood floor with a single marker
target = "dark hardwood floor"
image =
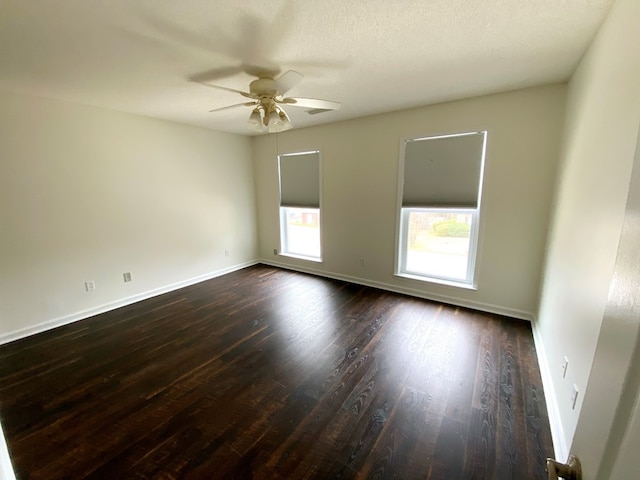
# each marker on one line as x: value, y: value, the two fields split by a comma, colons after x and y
x: 271, y: 374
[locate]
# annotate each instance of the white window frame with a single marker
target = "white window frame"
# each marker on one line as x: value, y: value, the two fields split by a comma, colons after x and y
x: 402, y: 222
x: 402, y: 270
x: 283, y: 249
x: 284, y: 236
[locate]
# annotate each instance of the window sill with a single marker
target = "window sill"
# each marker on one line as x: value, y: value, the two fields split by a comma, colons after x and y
x: 448, y: 283
x: 301, y: 257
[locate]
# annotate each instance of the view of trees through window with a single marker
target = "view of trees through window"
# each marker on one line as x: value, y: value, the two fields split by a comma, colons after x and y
x: 438, y: 243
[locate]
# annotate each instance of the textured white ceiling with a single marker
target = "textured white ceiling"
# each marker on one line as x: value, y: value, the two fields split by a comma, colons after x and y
x: 372, y: 55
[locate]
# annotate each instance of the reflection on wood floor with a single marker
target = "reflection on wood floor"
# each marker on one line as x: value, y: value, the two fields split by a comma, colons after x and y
x: 271, y: 374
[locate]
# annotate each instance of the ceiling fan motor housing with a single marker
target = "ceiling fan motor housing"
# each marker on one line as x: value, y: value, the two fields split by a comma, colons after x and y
x: 263, y: 87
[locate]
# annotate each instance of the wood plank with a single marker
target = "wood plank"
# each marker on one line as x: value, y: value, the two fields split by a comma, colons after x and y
x: 271, y: 374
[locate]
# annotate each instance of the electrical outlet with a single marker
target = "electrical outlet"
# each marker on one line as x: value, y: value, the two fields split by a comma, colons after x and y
x: 574, y: 397
x: 275, y: 251
x: 363, y: 262
x: 126, y: 276
x: 226, y: 253
x: 89, y: 286
x: 565, y: 366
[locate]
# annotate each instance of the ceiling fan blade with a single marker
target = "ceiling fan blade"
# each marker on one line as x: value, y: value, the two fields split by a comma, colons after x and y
x: 287, y: 81
x: 246, y: 104
x: 216, y: 73
x: 220, y: 87
x: 313, y: 103
x: 316, y: 111
x: 262, y: 36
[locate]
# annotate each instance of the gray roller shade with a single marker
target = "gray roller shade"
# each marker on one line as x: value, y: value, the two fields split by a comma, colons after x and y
x: 443, y: 171
x: 300, y: 180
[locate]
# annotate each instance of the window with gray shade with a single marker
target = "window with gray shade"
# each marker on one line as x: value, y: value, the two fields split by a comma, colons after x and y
x: 443, y: 171
x: 300, y: 180
x: 440, y: 191
x: 299, y: 175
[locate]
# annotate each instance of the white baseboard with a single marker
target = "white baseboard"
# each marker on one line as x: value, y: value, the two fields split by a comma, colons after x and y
x: 485, y: 307
x: 74, y: 317
x: 560, y: 447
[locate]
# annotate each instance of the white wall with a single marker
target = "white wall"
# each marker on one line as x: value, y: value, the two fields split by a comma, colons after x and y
x: 603, y: 112
x: 88, y: 194
x: 359, y: 197
x: 6, y: 469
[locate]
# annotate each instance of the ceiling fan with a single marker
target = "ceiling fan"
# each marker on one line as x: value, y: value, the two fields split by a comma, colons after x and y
x: 267, y: 98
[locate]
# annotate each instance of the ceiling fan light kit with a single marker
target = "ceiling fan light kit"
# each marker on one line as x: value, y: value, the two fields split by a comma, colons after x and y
x: 267, y: 94
x: 276, y: 120
x: 286, y: 122
x: 255, y: 121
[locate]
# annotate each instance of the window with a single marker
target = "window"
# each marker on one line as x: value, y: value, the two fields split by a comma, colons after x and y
x: 439, y: 214
x: 300, y: 205
x: 438, y: 242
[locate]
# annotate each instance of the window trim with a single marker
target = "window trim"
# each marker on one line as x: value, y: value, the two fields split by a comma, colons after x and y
x: 284, y: 236
x: 474, y: 241
x: 281, y: 219
x: 402, y: 271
